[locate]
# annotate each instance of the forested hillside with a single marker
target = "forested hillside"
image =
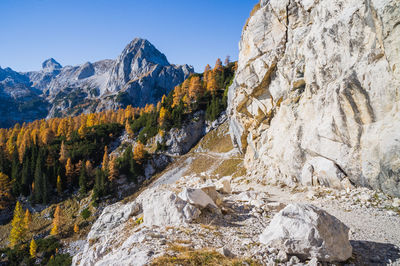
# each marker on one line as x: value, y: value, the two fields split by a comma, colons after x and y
x: 47, y: 161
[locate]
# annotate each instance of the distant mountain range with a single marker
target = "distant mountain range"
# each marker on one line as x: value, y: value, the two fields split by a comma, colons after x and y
x: 140, y: 75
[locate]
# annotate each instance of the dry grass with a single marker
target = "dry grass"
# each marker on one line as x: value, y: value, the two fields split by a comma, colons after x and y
x: 200, y: 164
x: 217, y: 140
x: 189, y: 257
x: 231, y: 167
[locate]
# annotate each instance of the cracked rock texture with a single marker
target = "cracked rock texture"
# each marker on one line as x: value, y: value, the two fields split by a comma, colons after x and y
x: 317, y: 92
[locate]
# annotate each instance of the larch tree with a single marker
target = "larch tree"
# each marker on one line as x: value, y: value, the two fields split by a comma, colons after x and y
x: 69, y: 171
x: 104, y: 165
x: 33, y: 248
x: 27, y: 219
x: 212, y: 84
x: 63, y: 153
x: 17, y: 233
x: 5, y: 191
x: 138, y: 152
x: 195, y: 88
x: 163, y: 116
x: 227, y: 60
x: 56, y: 221
x: 76, y: 228
x: 113, y: 169
x: 218, y: 66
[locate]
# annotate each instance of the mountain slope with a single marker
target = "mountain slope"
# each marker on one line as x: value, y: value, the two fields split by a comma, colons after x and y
x: 139, y: 76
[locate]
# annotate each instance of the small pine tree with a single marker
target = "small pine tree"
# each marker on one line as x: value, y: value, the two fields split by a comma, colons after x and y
x: 33, y: 248
x: 76, y: 228
x: 17, y: 233
x: 63, y: 153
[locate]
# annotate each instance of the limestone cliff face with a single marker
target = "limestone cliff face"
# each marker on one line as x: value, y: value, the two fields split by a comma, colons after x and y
x: 316, y: 97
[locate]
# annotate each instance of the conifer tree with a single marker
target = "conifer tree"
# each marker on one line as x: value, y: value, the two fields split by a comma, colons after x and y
x: 38, y: 192
x: 5, y: 191
x: 59, y: 185
x: 69, y: 171
x: 138, y: 153
x: 27, y: 219
x: 104, y: 165
x: 76, y: 228
x: 33, y: 248
x: 82, y: 180
x: 63, y: 153
x: 113, y: 169
x: 56, y: 221
x: 17, y: 233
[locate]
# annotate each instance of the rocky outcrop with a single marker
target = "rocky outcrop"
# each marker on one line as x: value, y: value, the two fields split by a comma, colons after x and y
x: 140, y: 75
x: 316, y: 93
x: 308, y: 232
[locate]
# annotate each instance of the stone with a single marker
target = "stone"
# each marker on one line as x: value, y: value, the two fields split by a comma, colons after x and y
x: 396, y: 202
x: 211, y: 191
x: 275, y: 206
x: 307, y: 105
x: 162, y: 207
x: 224, y: 185
x: 307, y: 232
x: 225, y: 252
x: 282, y: 256
x: 197, y: 197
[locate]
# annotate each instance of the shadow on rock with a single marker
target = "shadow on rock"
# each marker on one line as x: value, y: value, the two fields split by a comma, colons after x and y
x: 367, y: 252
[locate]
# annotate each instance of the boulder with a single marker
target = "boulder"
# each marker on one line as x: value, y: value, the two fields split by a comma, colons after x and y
x: 211, y: 191
x: 224, y: 185
x: 308, y: 232
x: 163, y: 207
x: 197, y: 197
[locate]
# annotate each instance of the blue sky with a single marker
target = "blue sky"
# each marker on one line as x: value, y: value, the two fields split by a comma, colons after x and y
x: 77, y: 31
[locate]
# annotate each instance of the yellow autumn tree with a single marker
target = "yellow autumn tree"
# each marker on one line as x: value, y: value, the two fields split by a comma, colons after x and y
x: 33, y: 248
x: 212, y: 84
x: 178, y: 94
x: 56, y: 221
x: 104, y: 165
x: 63, y: 153
x: 218, y: 65
x: 27, y: 219
x: 18, y: 227
x: 76, y: 228
x: 69, y: 171
x: 163, y: 115
x: 5, y: 191
x: 128, y: 129
x: 195, y: 88
x: 112, y: 169
x: 138, y: 152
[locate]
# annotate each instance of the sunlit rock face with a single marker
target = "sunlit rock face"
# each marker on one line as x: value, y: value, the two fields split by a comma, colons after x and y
x: 317, y: 92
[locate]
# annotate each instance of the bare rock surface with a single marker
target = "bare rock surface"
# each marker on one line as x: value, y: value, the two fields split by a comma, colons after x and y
x: 316, y: 93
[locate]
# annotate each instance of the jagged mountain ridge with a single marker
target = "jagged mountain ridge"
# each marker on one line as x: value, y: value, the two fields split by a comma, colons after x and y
x: 140, y: 75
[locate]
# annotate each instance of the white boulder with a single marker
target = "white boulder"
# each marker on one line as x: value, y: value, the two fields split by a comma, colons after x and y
x: 163, y: 207
x: 308, y: 232
x: 197, y: 197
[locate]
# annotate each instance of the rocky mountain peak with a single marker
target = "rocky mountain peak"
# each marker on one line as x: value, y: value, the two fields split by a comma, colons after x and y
x: 51, y: 64
x: 142, y: 49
